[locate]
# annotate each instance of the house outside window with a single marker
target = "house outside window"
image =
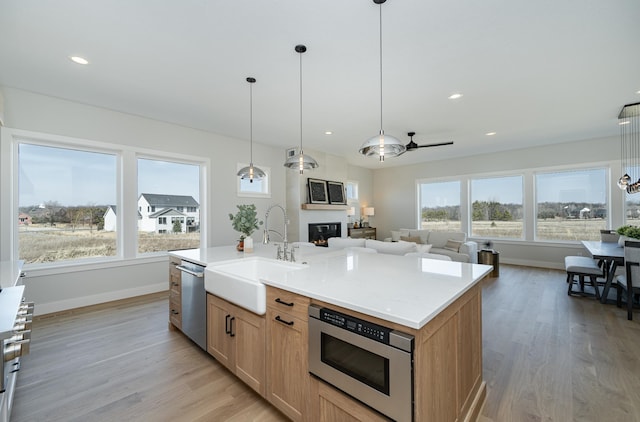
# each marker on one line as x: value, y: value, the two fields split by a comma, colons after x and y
x: 439, y: 205
x: 169, y: 188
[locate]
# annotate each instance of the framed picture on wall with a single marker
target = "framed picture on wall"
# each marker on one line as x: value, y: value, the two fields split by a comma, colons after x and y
x: 317, y: 191
x: 336, y: 193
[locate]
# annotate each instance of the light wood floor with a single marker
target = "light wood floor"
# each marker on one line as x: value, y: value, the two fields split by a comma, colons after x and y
x: 547, y: 357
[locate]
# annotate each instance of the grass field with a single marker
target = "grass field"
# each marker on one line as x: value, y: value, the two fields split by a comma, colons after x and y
x: 40, y: 244
x: 558, y: 229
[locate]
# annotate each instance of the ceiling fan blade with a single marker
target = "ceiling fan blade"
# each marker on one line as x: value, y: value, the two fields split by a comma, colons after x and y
x: 439, y: 144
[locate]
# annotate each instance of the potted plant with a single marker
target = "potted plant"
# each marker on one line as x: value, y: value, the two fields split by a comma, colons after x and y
x: 246, y: 222
x: 628, y: 232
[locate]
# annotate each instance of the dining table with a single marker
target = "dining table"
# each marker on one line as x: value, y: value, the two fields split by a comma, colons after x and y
x: 612, y: 256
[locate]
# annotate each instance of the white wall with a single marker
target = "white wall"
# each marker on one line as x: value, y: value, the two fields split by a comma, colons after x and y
x: 60, y: 289
x: 396, y: 203
x: 364, y: 177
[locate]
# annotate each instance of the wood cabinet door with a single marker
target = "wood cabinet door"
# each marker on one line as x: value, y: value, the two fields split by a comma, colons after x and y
x: 175, y: 293
x: 250, y: 349
x: 287, y: 364
x: 219, y: 343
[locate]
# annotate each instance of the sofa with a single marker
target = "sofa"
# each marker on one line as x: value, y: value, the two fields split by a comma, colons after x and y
x: 401, y: 247
x: 450, y: 243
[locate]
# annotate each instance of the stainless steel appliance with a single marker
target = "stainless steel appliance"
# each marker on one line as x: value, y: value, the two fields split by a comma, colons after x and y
x: 371, y: 363
x: 15, y: 336
x: 194, y: 303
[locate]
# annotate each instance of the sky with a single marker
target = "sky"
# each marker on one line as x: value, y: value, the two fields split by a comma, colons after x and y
x: 70, y: 177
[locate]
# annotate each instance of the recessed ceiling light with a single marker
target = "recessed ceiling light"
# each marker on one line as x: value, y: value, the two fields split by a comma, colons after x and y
x: 455, y: 96
x: 638, y: 92
x: 79, y: 60
x: 490, y: 133
x: 623, y: 122
x: 328, y: 132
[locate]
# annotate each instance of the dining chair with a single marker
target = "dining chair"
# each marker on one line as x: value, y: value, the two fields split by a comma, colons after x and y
x: 630, y: 280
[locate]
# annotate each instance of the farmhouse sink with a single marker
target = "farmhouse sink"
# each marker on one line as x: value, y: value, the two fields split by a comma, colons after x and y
x: 238, y: 280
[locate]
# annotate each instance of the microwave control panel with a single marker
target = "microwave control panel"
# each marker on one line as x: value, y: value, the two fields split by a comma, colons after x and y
x: 356, y: 325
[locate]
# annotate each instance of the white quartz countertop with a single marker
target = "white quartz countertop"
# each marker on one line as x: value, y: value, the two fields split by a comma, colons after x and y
x: 409, y: 291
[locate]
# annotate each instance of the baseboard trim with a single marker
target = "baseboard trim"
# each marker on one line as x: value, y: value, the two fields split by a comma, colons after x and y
x: 79, y: 302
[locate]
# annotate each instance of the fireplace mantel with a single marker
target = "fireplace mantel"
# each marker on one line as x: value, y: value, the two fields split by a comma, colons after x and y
x: 324, y: 207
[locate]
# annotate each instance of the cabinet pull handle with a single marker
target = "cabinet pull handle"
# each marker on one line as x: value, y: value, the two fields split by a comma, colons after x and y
x: 227, y: 330
x: 283, y: 321
x: 231, y: 333
x: 283, y: 302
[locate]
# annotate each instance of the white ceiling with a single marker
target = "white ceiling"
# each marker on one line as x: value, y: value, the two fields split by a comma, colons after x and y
x: 535, y: 72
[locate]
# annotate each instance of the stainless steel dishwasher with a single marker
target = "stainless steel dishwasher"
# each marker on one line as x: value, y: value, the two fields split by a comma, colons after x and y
x: 194, y: 303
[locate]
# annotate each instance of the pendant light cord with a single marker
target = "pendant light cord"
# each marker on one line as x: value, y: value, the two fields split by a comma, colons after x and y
x: 300, y: 103
x: 381, y: 126
x: 251, y: 121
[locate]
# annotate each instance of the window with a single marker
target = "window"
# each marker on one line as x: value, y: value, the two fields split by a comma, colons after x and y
x: 571, y: 205
x: 66, y: 194
x: 168, y: 188
x: 439, y: 204
x: 496, y: 207
x: 352, y: 191
x: 257, y: 188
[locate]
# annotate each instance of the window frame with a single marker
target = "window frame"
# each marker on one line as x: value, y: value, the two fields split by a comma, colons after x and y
x: 356, y: 189
x: 126, y: 197
x: 249, y: 194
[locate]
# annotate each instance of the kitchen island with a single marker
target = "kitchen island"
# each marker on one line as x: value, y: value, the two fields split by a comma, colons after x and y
x: 437, y: 302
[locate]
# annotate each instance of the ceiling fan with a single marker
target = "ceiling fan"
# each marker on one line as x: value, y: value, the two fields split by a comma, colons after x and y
x: 413, y: 146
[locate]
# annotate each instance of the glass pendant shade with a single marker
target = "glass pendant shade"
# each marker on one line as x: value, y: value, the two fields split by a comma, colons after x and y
x: 251, y: 172
x: 383, y: 146
x: 301, y: 162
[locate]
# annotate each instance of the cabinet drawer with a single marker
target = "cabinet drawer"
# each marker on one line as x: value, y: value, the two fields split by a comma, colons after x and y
x: 175, y: 284
x: 291, y: 303
x: 175, y: 311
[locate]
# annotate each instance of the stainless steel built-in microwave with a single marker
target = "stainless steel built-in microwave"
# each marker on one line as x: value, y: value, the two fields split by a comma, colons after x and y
x: 372, y: 363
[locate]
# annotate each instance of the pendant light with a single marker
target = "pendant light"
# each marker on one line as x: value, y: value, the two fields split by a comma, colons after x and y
x: 629, y: 121
x: 301, y: 162
x: 251, y: 172
x: 382, y: 145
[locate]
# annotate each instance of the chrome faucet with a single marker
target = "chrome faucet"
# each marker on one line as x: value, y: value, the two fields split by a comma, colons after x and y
x: 265, y: 238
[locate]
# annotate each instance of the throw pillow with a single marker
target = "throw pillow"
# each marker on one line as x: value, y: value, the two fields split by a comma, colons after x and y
x: 453, y: 245
x: 393, y: 248
x: 395, y: 235
x: 411, y: 239
x: 424, y: 248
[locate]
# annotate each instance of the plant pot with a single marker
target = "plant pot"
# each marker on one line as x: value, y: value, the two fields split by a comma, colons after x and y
x: 248, y: 244
x: 622, y: 239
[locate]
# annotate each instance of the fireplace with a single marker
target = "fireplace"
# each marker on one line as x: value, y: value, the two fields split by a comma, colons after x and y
x: 319, y: 233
